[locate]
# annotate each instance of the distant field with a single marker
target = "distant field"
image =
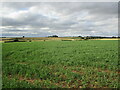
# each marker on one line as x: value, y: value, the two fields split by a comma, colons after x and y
x: 52, y: 39
x: 64, y: 64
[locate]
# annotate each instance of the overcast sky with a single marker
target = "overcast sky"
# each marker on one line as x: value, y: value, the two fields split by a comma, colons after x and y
x: 62, y: 19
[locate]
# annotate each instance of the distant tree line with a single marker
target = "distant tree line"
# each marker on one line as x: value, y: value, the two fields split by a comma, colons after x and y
x: 95, y: 37
x: 53, y: 36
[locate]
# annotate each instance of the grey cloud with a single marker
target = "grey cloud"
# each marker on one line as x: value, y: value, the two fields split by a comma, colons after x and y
x: 76, y: 18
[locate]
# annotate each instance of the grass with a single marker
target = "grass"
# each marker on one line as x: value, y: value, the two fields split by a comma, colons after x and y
x: 51, y: 64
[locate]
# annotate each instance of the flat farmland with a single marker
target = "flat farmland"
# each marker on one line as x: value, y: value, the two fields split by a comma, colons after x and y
x: 63, y: 64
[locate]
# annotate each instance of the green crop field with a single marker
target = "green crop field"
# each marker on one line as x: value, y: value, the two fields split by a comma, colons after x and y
x: 63, y: 64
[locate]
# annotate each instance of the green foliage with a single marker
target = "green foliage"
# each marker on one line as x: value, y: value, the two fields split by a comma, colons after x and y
x: 50, y: 64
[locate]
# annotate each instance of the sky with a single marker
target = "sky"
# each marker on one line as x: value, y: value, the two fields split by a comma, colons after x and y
x: 42, y: 19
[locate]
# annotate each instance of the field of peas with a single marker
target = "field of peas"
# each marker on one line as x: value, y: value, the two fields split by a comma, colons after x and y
x: 60, y: 64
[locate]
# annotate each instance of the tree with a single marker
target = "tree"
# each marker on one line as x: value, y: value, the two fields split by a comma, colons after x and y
x: 16, y: 40
x: 53, y: 36
x: 79, y: 36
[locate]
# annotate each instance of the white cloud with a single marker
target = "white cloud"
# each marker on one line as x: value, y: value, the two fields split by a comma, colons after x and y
x: 63, y: 19
x: 45, y: 28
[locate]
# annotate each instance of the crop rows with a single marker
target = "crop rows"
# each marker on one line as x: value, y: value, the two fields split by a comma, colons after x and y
x: 64, y: 64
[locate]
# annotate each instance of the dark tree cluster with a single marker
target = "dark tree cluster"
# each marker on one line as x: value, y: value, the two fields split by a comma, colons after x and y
x: 94, y: 37
x: 53, y: 36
